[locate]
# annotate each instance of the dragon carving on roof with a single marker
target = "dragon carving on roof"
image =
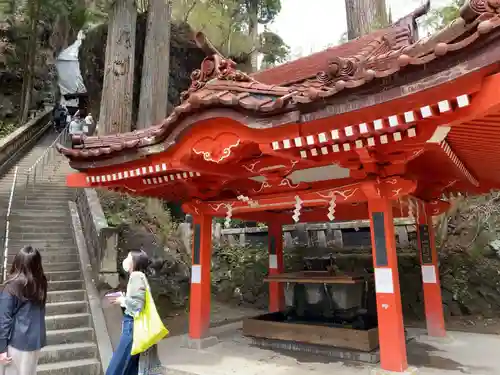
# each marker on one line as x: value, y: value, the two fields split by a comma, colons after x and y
x: 214, y: 67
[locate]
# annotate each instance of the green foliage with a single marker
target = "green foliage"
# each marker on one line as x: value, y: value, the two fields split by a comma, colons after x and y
x: 6, y: 128
x: 273, y: 48
x: 239, y: 271
x: 440, y: 17
x: 152, y: 214
x: 227, y: 22
x: 235, y: 223
x: 267, y: 10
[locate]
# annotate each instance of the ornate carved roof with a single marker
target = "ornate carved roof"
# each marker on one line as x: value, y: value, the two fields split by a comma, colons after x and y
x: 308, y: 80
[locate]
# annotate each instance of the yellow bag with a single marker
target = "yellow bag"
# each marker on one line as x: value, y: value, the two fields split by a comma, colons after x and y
x: 148, y: 327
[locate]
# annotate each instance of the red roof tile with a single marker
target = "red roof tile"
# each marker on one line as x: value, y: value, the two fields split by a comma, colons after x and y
x: 381, y: 54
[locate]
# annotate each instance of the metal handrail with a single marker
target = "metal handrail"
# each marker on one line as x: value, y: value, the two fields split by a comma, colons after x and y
x: 38, y: 167
x: 5, y: 253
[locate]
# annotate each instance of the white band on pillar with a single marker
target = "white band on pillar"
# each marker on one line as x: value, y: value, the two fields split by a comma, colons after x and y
x: 429, y: 274
x: 383, y: 280
x: 273, y: 261
x: 196, y: 274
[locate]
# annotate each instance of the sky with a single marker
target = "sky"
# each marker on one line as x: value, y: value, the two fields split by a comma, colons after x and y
x: 311, y: 25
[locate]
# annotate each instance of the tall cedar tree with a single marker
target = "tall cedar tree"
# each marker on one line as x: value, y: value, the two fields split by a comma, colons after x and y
x: 115, y: 115
x: 155, y: 66
x: 364, y: 16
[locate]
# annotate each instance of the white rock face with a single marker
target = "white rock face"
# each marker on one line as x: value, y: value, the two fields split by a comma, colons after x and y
x: 495, y: 245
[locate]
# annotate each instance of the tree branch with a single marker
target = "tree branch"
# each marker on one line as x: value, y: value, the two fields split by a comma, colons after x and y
x: 190, y: 10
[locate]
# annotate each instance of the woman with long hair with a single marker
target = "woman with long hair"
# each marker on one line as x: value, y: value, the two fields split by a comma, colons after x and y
x: 22, y: 314
x: 123, y: 362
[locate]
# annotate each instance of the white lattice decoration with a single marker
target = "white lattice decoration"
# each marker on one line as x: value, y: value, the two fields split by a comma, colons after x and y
x: 247, y: 200
x: 298, y: 207
x: 331, y: 208
x: 411, y: 208
x: 229, y: 215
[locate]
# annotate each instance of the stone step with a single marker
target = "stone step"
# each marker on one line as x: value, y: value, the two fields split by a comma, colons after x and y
x: 63, y: 275
x: 42, y: 213
x: 50, y: 257
x: 53, y: 188
x: 43, y: 191
x: 44, y: 247
x: 51, y: 228
x: 48, y: 203
x: 67, y: 321
x: 39, y: 214
x: 66, y: 296
x: 21, y: 194
x: 30, y: 220
x: 66, y: 249
x: 59, y: 267
x: 77, y: 367
x: 30, y: 236
x: 39, y: 197
x: 19, y: 243
x: 70, y: 336
x: 67, y: 352
x: 61, y: 308
x: 66, y: 285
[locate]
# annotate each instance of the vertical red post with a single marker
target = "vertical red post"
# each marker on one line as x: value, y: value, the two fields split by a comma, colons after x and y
x: 434, y: 313
x: 199, y: 304
x: 389, y: 310
x: 276, y: 266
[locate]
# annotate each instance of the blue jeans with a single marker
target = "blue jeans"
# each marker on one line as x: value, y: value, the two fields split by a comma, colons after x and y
x: 122, y: 363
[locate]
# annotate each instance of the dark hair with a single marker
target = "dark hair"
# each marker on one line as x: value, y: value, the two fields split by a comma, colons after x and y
x: 26, y: 279
x: 140, y: 261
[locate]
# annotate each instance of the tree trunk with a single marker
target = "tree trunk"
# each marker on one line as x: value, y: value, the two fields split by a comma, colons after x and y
x: 30, y: 59
x: 155, y: 67
x: 254, y: 35
x: 364, y: 16
x: 116, y: 103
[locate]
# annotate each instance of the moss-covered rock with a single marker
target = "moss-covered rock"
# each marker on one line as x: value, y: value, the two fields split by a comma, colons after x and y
x: 185, y: 57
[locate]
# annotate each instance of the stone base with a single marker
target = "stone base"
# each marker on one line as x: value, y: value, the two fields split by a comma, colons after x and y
x: 379, y: 371
x: 112, y: 279
x: 328, y: 351
x: 200, y: 344
x: 448, y: 339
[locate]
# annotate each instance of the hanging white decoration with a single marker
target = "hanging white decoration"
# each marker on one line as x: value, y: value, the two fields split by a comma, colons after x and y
x: 229, y: 214
x: 247, y: 200
x: 298, y: 207
x: 331, y: 208
x: 411, y: 208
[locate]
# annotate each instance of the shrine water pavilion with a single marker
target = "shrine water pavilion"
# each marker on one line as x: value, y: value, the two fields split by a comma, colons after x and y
x: 381, y: 127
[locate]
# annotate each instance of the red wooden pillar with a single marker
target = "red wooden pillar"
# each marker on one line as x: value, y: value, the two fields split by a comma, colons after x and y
x: 276, y: 266
x: 389, y: 310
x: 199, y: 303
x: 430, y: 273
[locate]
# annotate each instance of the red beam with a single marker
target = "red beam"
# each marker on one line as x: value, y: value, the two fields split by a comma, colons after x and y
x: 393, y: 188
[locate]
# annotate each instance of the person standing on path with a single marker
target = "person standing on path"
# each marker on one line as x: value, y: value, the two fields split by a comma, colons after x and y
x: 22, y: 314
x: 123, y: 362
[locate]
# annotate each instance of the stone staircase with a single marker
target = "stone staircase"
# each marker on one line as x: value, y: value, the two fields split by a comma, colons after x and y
x: 44, y: 222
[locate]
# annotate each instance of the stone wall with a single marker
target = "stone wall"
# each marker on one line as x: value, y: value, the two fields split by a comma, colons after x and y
x: 347, y: 235
x: 101, y: 239
x: 22, y: 139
